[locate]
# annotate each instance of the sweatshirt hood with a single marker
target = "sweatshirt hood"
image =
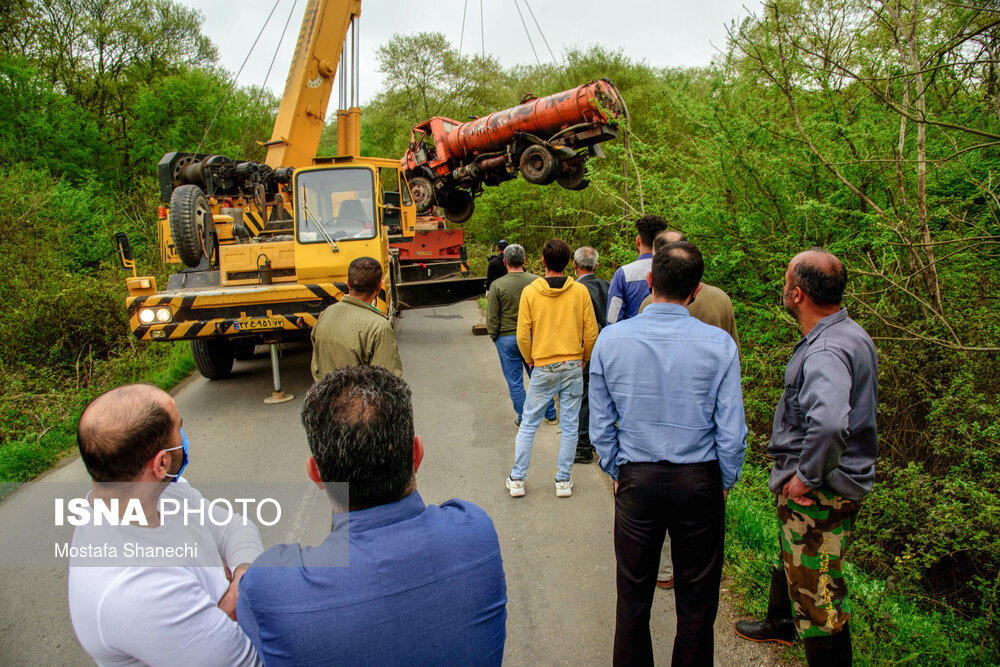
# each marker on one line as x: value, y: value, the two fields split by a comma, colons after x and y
x: 545, y: 289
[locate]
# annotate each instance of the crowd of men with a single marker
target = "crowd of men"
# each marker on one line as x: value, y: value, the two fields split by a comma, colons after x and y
x: 644, y: 372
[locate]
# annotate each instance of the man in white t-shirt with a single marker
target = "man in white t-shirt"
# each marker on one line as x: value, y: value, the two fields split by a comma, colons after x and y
x: 160, y: 593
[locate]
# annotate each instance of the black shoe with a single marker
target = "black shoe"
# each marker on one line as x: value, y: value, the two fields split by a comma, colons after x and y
x: 584, y: 456
x: 781, y: 631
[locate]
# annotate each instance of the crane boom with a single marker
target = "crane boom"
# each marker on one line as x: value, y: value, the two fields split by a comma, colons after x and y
x: 299, y: 123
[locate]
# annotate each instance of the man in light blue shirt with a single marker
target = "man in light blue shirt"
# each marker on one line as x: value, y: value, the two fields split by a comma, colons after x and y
x: 668, y: 424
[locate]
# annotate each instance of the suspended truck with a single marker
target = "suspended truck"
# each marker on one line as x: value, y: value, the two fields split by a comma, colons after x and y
x: 547, y: 139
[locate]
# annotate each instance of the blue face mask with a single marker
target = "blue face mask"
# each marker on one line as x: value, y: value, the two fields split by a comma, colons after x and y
x: 184, y: 460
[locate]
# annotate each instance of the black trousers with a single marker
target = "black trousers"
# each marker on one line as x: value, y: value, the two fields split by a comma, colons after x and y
x: 686, y: 500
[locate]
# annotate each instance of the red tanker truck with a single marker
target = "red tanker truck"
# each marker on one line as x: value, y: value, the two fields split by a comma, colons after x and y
x: 547, y: 139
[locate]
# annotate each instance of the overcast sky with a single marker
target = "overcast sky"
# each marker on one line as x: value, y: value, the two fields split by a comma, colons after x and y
x: 666, y: 33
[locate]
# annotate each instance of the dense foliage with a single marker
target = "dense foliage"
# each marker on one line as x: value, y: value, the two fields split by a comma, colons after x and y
x: 870, y: 129
x: 92, y: 94
x: 873, y: 131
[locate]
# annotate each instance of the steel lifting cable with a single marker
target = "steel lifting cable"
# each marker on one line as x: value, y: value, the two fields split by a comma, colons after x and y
x: 232, y: 84
x: 629, y: 157
x: 461, y: 36
x: 537, y: 25
x: 263, y: 85
x: 532, y: 44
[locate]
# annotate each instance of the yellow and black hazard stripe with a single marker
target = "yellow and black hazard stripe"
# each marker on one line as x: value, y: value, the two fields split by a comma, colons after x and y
x: 288, y: 311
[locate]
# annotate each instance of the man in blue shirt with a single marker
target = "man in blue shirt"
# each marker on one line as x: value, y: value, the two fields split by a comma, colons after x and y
x: 628, y: 285
x: 424, y: 585
x: 667, y: 421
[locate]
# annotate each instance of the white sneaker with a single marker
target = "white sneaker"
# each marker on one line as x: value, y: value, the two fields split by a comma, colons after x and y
x: 563, y: 489
x: 516, y: 487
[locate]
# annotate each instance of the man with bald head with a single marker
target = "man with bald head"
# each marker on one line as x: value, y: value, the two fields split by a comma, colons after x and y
x: 157, y: 590
x: 824, y: 444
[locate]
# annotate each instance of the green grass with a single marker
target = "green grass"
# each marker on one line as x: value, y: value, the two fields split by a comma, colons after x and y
x: 39, y: 411
x: 889, y: 627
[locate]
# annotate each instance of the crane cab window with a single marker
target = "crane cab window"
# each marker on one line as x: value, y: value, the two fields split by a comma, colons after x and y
x: 335, y: 205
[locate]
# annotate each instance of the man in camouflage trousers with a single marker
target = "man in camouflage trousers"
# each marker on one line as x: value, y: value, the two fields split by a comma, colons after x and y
x: 824, y: 445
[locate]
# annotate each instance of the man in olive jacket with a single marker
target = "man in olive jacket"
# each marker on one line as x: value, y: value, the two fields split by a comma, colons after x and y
x: 352, y: 332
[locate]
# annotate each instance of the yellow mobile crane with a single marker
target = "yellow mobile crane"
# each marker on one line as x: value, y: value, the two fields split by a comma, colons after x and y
x: 267, y: 245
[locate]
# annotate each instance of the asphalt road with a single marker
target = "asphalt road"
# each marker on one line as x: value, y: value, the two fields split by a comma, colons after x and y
x: 558, y: 553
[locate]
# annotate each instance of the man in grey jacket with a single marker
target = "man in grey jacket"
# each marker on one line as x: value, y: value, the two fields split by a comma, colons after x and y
x: 824, y: 445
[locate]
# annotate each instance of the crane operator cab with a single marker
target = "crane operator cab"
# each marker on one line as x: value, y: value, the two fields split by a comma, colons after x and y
x: 344, y: 210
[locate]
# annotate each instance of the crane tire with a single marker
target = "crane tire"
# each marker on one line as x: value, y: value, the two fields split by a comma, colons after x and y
x: 538, y: 165
x: 191, y: 224
x: 213, y: 357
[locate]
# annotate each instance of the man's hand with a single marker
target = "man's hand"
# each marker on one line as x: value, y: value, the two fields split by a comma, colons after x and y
x: 615, y: 490
x: 795, y: 489
x: 725, y: 495
x: 228, y: 601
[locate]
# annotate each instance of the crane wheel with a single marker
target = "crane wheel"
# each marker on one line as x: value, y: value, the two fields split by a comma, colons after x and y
x: 191, y: 224
x: 538, y: 165
x: 422, y: 191
x: 573, y: 177
x: 459, y: 206
x: 213, y: 357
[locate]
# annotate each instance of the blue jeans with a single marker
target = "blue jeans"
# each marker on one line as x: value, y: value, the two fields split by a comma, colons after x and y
x: 564, y: 378
x: 511, y: 362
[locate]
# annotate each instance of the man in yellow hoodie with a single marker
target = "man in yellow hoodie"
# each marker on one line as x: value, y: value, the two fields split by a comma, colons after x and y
x: 556, y: 331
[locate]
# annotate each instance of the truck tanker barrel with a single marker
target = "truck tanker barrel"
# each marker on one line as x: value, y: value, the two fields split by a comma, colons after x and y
x: 543, y: 117
x: 547, y: 139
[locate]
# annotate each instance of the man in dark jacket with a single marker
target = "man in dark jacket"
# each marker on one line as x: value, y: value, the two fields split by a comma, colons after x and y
x: 585, y: 263
x: 496, y: 267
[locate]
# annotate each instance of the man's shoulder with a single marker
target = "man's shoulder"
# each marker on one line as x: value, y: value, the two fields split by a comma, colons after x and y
x: 844, y: 338
x: 515, y: 279
x: 636, y: 270
x: 714, y: 292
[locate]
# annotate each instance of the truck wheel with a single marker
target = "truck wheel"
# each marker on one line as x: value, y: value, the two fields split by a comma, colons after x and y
x: 539, y: 165
x: 459, y: 207
x: 573, y: 177
x: 422, y: 191
x: 213, y: 357
x: 191, y: 224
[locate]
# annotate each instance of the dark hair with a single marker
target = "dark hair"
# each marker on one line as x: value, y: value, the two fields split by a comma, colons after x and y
x: 135, y: 426
x: 823, y: 278
x: 364, y: 274
x: 648, y: 227
x: 556, y: 254
x: 677, y: 270
x: 502, y: 245
x: 359, y: 424
x: 662, y: 240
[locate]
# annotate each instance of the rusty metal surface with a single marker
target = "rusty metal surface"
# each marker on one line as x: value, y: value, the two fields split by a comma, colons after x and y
x: 543, y: 116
